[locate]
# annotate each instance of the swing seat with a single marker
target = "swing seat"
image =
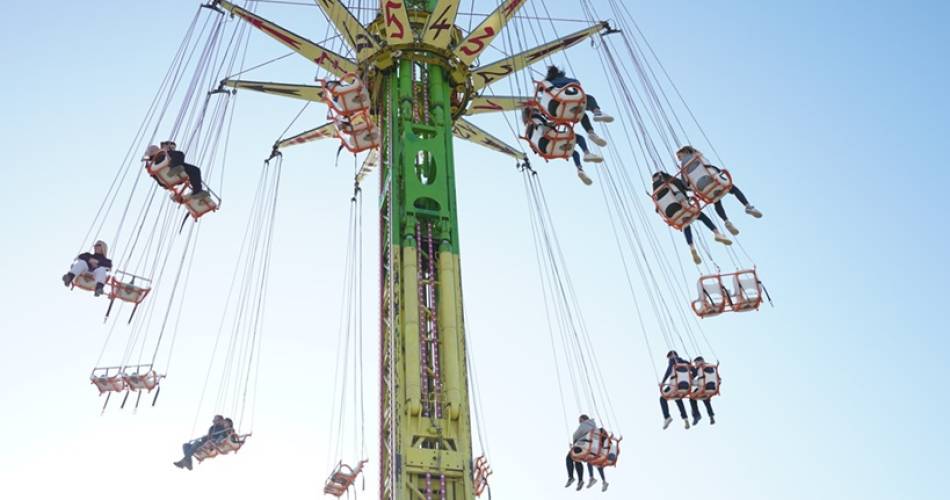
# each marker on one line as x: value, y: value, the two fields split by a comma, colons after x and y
x: 127, y: 292
x: 713, y: 297
x: 747, y: 291
x: 560, y: 142
x: 142, y: 381
x: 205, y: 451
x: 599, y: 448
x: 676, y: 209
x: 108, y: 383
x: 85, y: 281
x: 680, y: 383
x: 707, y: 183
x: 342, y: 477
x: 231, y: 444
x: 480, y: 476
x: 359, y: 133
x: 166, y: 175
x: 348, y: 96
x: 565, y: 105
x: 706, y: 383
x: 201, y: 203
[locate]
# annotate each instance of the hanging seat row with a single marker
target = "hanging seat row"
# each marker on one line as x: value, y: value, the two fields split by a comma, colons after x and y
x: 708, y: 185
x: 744, y: 294
x: 342, y: 477
x: 600, y: 449
x: 683, y: 384
x: 349, y: 109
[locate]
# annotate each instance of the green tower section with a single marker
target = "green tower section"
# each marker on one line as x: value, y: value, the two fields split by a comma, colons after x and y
x: 425, y: 444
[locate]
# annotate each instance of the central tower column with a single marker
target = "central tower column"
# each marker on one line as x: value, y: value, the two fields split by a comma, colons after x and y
x: 425, y: 444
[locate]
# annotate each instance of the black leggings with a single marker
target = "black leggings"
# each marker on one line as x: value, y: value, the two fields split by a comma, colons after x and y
x: 694, y: 407
x: 688, y: 230
x: 665, y: 407
x: 194, y: 175
x: 573, y: 466
x: 739, y: 196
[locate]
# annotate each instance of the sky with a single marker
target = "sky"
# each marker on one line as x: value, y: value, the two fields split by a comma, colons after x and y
x: 832, y: 117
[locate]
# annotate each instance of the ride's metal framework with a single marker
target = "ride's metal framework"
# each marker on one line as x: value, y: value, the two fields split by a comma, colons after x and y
x: 420, y: 72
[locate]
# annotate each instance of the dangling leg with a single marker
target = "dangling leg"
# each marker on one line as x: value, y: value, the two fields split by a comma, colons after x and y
x: 709, y: 411
x: 590, y: 472
x: 682, y: 409
x: 579, y: 468
x: 688, y: 233
x: 593, y: 107
x: 665, y: 408
x: 588, y: 156
x: 194, y: 175
x: 580, y: 170
x: 721, y: 238
x: 589, y: 128
x: 602, y: 479
x: 721, y: 212
x: 570, y: 470
x: 78, y: 267
x: 694, y: 409
x: 749, y: 209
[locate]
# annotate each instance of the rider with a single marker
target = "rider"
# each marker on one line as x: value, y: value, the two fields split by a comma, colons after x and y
x: 167, y: 148
x: 556, y: 78
x: 536, y: 126
x: 694, y: 406
x: 673, y: 359
x: 687, y: 153
x: 219, y: 429
x: 663, y: 181
x: 96, y: 263
x: 581, y: 436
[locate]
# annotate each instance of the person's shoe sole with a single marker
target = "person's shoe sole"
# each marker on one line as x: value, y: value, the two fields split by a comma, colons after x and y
x: 593, y: 159
x: 597, y: 140
x: 724, y: 240
x: 604, y: 118
x: 733, y: 230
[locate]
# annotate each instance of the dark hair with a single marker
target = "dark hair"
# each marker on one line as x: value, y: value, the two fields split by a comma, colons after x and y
x: 699, y: 359
x: 671, y: 353
x: 229, y: 421
x: 584, y: 418
x: 553, y: 72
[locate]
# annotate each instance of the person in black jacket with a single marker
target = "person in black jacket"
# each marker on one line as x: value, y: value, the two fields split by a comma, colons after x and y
x: 556, y: 78
x: 157, y: 155
x: 663, y: 182
x: 219, y: 430
x: 673, y: 359
x: 693, y: 405
x: 95, y: 263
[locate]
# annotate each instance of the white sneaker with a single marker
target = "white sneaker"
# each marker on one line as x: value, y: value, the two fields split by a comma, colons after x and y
x: 721, y: 238
x: 592, y: 482
x: 604, y: 487
x: 569, y: 482
x: 592, y: 158
x: 598, y: 140
x: 732, y: 228
x: 696, y: 259
x: 753, y: 212
x: 600, y: 116
x: 667, y: 422
x: 586, y: 180
x: 686, y: 423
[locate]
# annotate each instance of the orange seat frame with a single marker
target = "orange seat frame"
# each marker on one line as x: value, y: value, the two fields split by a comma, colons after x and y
x: 602, y: 450
x: 747, y: 293
x: 346, y: 97
x: 562, y: 139
x: 570, y: 111
x: 480, y: 475
x: 690, y: 207
x: 704, y: 373
x: 342, y: 477
x: 680, y: 383
x: 720, y: 182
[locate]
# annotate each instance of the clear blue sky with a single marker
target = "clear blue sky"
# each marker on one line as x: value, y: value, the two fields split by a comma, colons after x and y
x: 832, y: 114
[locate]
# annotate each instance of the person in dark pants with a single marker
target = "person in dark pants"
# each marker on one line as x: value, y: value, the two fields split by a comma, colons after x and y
x: 662, y: 182
x: 218, y: 430
x: 685, y: 154
x: 95, y: 263
x: 694, y: 406
x: 582, y: 436
x: 157, y: 154
x: 673, y: 359
x: 536, y: 126
x: 556, y: 78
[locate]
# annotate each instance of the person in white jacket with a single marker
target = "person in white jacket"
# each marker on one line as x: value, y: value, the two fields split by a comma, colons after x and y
x: 582, y: 436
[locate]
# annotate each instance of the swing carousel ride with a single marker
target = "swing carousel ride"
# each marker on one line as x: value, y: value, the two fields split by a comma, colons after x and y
x: 401, y: 79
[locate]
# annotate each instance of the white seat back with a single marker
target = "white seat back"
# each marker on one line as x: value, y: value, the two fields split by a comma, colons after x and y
x: 746, y: 291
